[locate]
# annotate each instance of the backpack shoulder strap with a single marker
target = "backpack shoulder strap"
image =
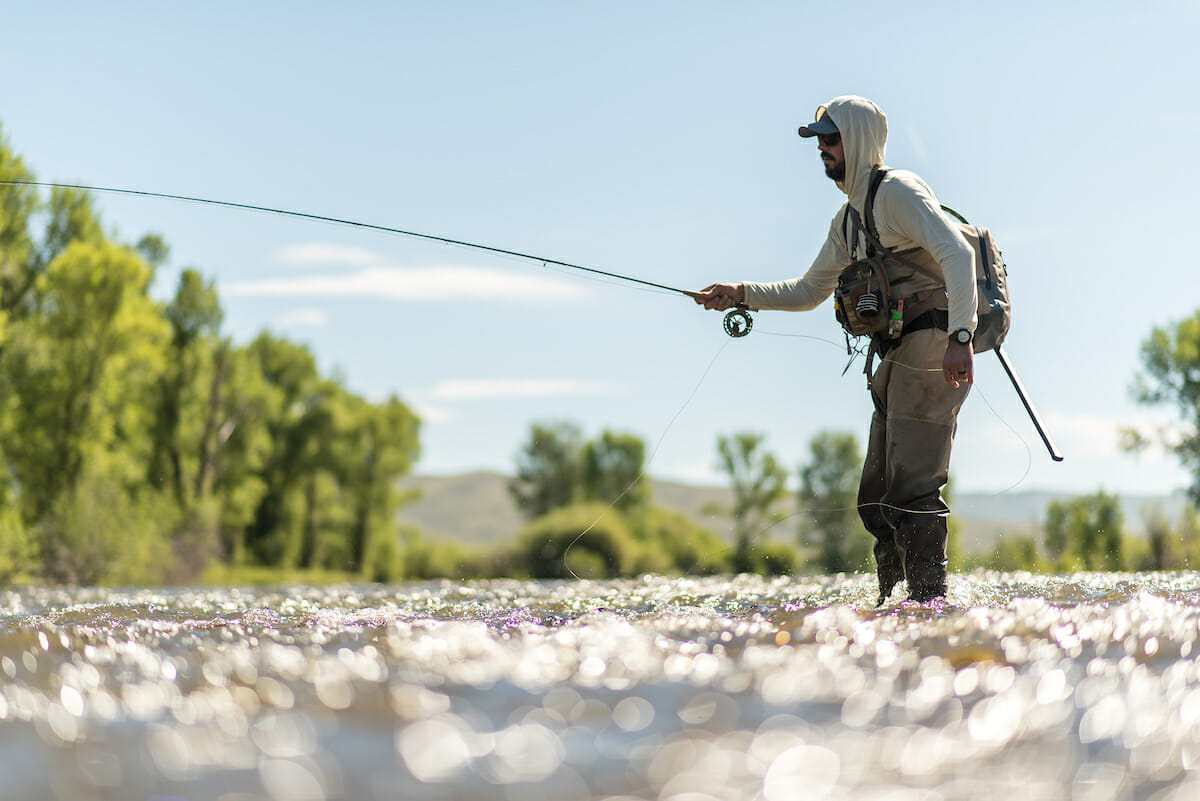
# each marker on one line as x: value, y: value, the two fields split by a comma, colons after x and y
x: 851, y: 246
x: 877, y: 176
x: 868, y: 225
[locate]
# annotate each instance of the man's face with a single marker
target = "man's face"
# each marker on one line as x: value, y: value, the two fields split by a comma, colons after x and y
x: 833, y: 156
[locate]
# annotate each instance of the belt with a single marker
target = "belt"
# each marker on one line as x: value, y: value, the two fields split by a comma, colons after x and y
x: 934, y: 318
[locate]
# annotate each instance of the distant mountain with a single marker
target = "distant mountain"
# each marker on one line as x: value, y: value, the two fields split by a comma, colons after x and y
x: 476, y: 510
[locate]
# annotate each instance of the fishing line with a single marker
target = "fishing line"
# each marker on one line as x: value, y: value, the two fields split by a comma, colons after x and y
x: 758, y: 536
x: 737, y: 321
x: 646, y: 464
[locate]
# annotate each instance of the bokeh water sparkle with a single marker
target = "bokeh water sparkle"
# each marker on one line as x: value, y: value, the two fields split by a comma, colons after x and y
x: 1081, y: 687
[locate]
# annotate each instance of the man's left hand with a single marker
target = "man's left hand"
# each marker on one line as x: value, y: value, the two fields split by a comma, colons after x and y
x: 958, y: 366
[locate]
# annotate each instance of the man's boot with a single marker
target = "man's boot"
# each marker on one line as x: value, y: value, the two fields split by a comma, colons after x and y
x: 921, y: 540
x: 888, y: 568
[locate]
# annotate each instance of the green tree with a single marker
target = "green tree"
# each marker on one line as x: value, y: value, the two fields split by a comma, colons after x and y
x: 18, y: 205
x: 81, y: 372
x: 1162, y: 552
x: 295, y: 421
x: 137, y: 442
x: 548, y: 469
x: 759, y: 483
x: 612, y: 471
x: 234, y: 447
x: 381, y: 444
x: 829, y: 496
x: 195, y: 318
x: 1014, y: 553
x: 1085, y: 533
x: 1171, y: 364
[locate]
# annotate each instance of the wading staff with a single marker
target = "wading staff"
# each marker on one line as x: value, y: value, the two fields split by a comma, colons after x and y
x: 1033, y: 415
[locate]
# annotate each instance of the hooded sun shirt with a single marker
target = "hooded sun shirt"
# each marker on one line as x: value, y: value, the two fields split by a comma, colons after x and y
x: 907, y: 215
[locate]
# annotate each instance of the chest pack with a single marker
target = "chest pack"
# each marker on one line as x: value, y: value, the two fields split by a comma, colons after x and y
x: 873, y: 295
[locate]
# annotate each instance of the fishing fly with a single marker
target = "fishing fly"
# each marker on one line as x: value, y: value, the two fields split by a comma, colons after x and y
x: 737, y: 321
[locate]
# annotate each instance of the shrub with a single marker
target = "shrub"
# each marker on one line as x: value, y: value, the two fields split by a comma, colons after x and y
x: 586, y: 540
x: 678, y: 543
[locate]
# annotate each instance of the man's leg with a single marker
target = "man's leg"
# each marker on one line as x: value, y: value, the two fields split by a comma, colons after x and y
x: 922, y: 418
x: 871, y: 490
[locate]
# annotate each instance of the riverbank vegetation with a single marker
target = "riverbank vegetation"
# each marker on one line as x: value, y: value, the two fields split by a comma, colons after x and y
x: 140, y: 444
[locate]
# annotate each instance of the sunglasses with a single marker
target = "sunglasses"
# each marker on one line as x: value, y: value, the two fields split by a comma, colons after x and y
x: 830, y: 140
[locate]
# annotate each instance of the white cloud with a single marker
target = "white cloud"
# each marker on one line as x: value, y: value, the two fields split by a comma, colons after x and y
x: 419, y: 284
x: 318, y: 253
x: 432, y: 414
x: 307, y: 317
x: 489, y: 388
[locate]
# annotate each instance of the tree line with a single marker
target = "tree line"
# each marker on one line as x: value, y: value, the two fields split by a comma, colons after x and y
x: 591, y: 508
x: 140, y: 444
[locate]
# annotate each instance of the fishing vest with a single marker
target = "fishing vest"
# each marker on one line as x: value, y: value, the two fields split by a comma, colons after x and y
x: 880, y: 294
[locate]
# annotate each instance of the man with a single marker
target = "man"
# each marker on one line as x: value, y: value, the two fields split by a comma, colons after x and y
x: 925, y: 374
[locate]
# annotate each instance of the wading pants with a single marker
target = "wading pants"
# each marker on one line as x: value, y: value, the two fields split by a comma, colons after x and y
x: 907, y: 464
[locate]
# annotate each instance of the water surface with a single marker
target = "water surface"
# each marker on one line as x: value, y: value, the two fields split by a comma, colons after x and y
x: 695, y: 689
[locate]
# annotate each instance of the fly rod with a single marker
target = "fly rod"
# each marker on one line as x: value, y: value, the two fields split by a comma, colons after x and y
x: 737, y: 322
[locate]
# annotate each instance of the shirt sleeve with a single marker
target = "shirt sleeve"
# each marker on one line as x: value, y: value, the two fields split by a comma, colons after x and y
x: 811, y: 289
x: 909, y: 215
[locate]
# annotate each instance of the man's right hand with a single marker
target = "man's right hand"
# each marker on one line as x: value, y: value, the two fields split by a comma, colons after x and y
x: 721, y: 296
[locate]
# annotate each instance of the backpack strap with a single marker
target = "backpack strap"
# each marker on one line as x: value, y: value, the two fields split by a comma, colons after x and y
x: 872, y: 233
x: 877, y: 176
x: 850, y: 246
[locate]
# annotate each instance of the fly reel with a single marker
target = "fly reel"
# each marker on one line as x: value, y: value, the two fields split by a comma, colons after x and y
x: 738, y: 322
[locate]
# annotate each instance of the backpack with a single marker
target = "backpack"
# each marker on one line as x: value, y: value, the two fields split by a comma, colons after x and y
x: 865, y: 302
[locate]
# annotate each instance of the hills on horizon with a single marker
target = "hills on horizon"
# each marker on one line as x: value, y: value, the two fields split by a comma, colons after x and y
x: 475, y: 509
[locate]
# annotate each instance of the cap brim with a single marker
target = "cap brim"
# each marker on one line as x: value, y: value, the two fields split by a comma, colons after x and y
x: 819, y: 128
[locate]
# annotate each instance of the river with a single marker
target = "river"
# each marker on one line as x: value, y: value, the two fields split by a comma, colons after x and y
x: 1082, y: 687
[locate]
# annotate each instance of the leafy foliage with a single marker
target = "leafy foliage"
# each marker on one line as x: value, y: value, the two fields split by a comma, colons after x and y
x: 829, y: 498
x: 759, y: 484
x: 1085, y: 532
x: 1171, y: 360
x: 139, y: 445
x: 556, y: 468
x: 548, y: 469
x: 587, y: 541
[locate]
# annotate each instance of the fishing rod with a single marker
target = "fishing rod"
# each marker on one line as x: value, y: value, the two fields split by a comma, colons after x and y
x: 737, y: 321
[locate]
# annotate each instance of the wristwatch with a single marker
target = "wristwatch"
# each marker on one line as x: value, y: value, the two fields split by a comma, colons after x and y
x: 962, y: 336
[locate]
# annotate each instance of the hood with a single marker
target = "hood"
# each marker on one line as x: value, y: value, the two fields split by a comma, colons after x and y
x: 863, y: 126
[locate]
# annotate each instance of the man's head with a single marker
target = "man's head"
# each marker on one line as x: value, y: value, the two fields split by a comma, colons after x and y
x: 829, y: 142
x: 851, y: 135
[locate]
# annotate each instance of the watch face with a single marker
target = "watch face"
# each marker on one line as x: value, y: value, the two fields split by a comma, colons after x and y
x: 963, y: 336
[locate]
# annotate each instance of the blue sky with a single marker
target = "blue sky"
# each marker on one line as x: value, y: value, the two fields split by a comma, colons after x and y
x: 655, y: 140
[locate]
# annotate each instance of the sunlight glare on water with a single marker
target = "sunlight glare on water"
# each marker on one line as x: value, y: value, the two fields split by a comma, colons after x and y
x: 1081, y: 687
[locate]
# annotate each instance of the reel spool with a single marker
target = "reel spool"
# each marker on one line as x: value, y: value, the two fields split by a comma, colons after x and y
x: 738, y: 323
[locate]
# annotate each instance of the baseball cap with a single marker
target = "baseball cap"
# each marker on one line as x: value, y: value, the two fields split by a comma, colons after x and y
x: 822, y: 125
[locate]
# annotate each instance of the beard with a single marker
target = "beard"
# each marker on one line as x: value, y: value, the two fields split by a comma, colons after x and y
x: 834, y: 171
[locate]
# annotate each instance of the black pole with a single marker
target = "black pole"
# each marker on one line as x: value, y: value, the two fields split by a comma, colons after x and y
x: 1033, y: 415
